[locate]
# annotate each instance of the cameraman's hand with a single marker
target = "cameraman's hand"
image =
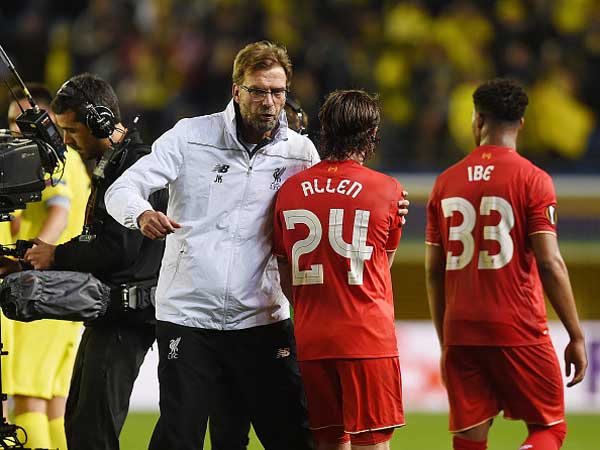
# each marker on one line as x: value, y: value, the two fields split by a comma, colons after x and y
x: 156, y: 225
x: 8, y: 266
x: 41, y: 255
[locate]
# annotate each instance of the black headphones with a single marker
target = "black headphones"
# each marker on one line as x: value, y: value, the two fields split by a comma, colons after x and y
x: 294, y: 105
x: 99, y: 119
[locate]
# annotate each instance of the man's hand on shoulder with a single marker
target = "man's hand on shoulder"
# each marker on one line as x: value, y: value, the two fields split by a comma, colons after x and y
x: 41, y: 255
x: 403, y: 207
x: 156, y: 225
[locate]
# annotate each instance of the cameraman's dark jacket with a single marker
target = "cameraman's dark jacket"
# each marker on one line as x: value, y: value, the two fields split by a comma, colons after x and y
x: 112, y: 253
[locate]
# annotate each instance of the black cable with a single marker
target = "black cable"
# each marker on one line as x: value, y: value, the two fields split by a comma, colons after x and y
x: 14, y: 96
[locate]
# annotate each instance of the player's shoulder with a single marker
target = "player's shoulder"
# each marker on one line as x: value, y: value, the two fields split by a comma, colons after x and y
x: 303, y: 175
x: 384, y: 180
x: 528, y: 171
x: 535, y: 170
x: 56, y: 186
x: 450, y: 173
x: 290, y: 188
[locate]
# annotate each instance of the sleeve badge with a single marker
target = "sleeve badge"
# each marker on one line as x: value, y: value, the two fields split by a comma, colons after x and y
x: 551, y: 214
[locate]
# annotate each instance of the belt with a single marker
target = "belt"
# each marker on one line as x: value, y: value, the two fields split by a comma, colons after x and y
x: 137, y: 295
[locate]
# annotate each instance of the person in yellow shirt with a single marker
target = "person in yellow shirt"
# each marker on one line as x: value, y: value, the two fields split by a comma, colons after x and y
x: 6, y: 325
x: 43, y: 352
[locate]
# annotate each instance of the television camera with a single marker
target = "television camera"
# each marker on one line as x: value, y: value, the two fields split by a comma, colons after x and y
x: 29, y: 158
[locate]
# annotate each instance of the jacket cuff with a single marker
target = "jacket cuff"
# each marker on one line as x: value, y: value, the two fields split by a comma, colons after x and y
x: 134, y: 211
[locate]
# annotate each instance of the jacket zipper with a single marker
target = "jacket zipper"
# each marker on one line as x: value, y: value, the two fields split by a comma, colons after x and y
x: 235, y: 234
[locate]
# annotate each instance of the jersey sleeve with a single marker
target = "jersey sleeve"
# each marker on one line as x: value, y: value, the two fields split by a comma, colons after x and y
x: 432, y: 230
x: 541, y: 204
x: 393, y: 239
x: 277, y: 238
x: 60, y: 194
x: 395, y: 220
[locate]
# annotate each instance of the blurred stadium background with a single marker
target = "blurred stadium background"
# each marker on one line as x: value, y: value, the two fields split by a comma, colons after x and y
x: 172, y: 58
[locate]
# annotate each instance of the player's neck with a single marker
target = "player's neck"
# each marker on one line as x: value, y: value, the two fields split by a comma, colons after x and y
x: 357, y: 158
x: 500, y: 140
x: 354, y: 157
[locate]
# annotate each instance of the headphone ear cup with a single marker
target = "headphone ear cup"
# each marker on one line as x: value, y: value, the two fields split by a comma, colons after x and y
x: 101, y: 121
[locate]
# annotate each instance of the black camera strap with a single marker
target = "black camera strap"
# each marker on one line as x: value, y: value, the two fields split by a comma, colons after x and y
x: 109, y: 158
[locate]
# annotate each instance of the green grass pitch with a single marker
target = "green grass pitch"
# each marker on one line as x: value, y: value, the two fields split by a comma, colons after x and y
x: 423, y: 431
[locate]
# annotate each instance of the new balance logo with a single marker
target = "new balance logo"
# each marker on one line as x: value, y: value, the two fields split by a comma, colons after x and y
x: 221, y: 168
x: 173, y: 345
x: 283, y: 352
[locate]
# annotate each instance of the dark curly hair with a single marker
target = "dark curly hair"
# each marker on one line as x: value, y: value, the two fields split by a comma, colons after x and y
x: 348, y: 119
x: 82, y: 90
x: 502, y: 99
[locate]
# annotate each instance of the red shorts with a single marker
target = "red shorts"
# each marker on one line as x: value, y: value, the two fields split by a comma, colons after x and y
x: 525, y: 382
x: 353, y: 396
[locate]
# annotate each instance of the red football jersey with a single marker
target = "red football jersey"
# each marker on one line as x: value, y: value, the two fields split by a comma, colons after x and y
x: 482, y: 211
x: 334, y: 223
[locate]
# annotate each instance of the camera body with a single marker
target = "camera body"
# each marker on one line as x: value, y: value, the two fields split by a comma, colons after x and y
x: 21, y: 173
x: 35, y: 123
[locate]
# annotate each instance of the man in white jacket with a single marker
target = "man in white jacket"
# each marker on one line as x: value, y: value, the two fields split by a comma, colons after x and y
x: 220, y: 309
x: 222, y: 317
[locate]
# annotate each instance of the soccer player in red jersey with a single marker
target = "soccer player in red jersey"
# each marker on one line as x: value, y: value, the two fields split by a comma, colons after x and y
x: 492, y: 246
x: 336, y: 230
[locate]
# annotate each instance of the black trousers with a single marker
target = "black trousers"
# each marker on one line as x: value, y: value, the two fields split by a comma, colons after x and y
x: 107, y: 363
x: 259, y: 364
x: 229, y: 421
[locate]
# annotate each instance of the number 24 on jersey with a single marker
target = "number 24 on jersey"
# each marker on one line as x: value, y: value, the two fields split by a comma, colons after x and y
x: 356, y: 251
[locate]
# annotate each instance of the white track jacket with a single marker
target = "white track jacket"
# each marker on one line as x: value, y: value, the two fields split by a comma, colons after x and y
x: 218, y: 271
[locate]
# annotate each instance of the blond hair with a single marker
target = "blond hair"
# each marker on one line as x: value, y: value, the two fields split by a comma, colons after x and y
x: 260, y: 56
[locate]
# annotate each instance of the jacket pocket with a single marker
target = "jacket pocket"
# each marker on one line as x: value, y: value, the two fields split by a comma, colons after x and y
x: 172, y: 268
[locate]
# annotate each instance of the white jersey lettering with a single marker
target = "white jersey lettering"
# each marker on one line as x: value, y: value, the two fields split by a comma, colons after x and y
x: 343, y: 187
x: 478, y: 173
x: 307, y: 188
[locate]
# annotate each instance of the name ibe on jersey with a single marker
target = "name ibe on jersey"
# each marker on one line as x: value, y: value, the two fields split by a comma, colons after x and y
x: 479, y: 172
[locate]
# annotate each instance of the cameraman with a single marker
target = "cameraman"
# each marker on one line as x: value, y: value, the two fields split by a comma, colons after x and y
x: 113, y: 347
